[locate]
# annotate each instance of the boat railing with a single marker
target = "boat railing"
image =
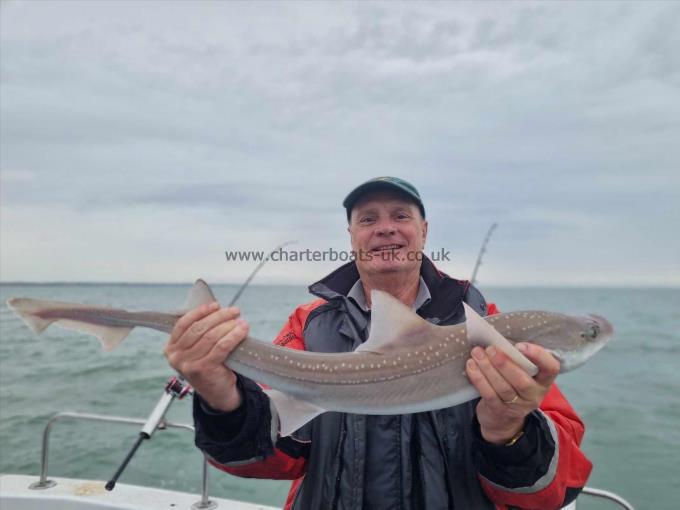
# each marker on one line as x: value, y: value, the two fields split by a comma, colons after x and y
x: 204, y: 503
x: 44, y: 483
x: 609, y: 496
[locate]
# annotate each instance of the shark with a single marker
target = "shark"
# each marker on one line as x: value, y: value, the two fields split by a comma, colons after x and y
x: 407, y: 364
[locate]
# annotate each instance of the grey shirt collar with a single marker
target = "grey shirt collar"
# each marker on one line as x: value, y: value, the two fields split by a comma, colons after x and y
x: 356, y: 293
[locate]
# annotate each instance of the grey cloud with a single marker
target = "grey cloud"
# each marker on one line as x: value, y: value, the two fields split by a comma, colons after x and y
x: 555, y: 119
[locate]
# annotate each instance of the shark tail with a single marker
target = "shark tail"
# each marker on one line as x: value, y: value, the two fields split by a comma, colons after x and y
x: 27, y: 310
x: 38, y: 314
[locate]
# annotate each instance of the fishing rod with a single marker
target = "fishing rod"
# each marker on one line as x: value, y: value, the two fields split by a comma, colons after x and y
x: 482, y: 251
x: 256, y: 270
x: 176, y: 388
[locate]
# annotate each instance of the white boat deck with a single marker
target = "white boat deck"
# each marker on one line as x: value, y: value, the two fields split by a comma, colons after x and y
x: 71, y: 494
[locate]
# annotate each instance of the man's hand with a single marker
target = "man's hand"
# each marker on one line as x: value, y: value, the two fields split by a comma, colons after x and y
x: 508, y: 393
x: 200, y: 342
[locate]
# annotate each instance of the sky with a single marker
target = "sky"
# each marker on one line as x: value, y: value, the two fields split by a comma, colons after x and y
x: 140, y: 141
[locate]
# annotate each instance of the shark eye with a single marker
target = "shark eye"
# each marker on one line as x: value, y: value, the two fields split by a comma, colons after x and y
x: 591, y: 332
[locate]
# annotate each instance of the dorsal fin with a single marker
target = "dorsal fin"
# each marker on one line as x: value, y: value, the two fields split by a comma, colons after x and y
x: 394, y: 326
x: 480, y: 332
x: 199, y: 294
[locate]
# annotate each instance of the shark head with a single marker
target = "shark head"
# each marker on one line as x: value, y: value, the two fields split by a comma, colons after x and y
x: 589, y: 334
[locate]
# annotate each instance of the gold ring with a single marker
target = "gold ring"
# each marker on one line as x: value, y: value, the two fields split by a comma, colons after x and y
x: 512, y: 401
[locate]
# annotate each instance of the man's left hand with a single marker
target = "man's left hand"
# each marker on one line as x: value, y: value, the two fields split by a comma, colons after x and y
x: 508, y: 393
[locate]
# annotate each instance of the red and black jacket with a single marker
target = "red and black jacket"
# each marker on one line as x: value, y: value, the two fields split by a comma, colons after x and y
x: 426, y: 460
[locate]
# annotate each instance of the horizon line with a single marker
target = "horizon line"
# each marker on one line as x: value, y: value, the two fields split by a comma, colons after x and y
x: 611, y: 285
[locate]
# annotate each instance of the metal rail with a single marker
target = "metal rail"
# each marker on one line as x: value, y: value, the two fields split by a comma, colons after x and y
x: 204, y: 504
x: 610, y: 496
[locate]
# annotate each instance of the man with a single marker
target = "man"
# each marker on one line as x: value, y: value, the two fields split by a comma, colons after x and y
x: 515, y: 447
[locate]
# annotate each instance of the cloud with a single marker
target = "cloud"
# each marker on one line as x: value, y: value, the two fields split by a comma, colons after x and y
x: 558, y: 120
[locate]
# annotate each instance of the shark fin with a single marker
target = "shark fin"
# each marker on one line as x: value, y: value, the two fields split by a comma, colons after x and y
x: 199, y: 294
x: 394, y: 326
x: 109, y: 336
x: 293, y: 413
x: 29, y: 311
x: 480, y: 332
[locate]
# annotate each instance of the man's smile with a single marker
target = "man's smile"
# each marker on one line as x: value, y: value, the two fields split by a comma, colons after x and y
x: 388, y: 247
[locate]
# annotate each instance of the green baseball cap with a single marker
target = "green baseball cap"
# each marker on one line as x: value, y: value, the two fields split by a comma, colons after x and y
x: 383, y: 183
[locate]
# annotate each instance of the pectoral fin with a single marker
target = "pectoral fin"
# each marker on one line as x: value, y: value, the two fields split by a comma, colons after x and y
x: 480, y: 332
x: 293, y: 413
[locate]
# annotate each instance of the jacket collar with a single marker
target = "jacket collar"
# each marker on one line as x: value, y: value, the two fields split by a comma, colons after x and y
x: 447, y: 293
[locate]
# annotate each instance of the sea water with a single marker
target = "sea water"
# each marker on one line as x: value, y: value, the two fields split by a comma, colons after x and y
x: 628, y: 395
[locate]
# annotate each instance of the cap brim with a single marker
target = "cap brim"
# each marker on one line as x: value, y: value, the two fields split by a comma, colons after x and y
x: 370, y: 187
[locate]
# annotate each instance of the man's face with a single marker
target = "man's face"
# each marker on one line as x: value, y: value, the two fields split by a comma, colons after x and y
x: 388, y: 233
